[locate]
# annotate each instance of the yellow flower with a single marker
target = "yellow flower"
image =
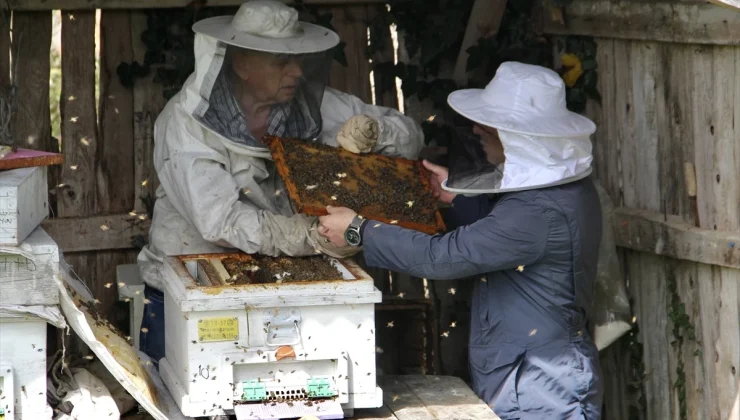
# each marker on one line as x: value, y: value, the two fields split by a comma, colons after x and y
x: 572, y: 63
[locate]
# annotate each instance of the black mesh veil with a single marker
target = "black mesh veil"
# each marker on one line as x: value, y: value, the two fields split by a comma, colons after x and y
x: 469, y: 167
x: 288, y: 88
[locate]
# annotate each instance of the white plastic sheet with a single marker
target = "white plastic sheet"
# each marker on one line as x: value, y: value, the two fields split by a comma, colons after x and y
x: 132, y: 369
x: 50, y: 314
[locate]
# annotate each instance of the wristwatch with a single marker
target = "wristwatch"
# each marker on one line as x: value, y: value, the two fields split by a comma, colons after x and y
x: 352, y: 235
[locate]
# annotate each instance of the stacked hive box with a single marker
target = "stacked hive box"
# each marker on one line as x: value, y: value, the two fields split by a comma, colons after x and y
x: 29, y: 259
x: 289, y: 346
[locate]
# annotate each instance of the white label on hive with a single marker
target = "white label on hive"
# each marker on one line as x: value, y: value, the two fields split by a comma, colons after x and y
x: 218, y: 329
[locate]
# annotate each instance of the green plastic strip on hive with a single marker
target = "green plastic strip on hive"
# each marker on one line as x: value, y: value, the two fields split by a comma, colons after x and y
x: 320, y: 387
x: 253, y: 391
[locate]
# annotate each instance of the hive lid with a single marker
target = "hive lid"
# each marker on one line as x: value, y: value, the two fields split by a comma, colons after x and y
x: 202, y: 282
x: 25, y: 158
x: 389, y: 190
x: 37, y: 243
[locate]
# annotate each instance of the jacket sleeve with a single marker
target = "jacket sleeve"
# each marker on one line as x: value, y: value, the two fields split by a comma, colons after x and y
x: 197, y: 183
x: 399, y: 135
x: 515, y: 233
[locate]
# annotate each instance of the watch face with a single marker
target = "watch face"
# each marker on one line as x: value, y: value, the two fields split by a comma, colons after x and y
x: 352, y: 237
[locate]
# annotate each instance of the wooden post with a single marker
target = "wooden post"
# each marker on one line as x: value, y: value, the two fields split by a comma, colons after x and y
x: 387, y: 98
x: 77, y: 194
x: 5, y: 17
x: 32, y: 36
x: 351, y: 25
x: 115, y: 151
x: 148, y: 103
x: 115, y: 170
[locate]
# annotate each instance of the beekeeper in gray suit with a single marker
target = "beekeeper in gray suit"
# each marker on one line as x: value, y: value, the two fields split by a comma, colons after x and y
x: 530, y: 224
x: 259, y: 72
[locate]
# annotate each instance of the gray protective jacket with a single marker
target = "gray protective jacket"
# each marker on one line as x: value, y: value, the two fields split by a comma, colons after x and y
x: 533, y: 257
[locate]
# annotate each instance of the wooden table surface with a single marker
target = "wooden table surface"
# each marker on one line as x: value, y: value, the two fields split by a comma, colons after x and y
x: 420, y: 397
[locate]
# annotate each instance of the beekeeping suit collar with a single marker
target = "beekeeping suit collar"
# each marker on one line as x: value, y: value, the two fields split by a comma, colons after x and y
x: 269, y: 33
x: 544, y: 143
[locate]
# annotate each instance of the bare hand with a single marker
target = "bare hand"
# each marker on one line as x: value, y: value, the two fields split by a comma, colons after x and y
x: 333, y: 226
x: 437, y: 174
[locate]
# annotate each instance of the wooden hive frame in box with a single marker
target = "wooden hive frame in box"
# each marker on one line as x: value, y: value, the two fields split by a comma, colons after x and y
x: 211, y: 287
x: 424, y: 218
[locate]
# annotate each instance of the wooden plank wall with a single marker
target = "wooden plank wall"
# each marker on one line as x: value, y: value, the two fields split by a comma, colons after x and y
x: 666, y: 105
x: 669, y: 104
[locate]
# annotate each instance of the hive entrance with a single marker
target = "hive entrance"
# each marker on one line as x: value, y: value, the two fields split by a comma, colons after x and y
x: 387, y: 189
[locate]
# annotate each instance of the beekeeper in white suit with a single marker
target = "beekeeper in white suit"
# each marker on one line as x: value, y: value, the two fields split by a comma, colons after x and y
x: 259, y: 72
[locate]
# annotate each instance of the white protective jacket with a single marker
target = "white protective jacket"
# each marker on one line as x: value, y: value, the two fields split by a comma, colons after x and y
x: 218, y: 195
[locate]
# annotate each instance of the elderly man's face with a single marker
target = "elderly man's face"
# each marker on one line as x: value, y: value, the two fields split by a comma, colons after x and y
x: 491, y: 143
x: 269, y: 78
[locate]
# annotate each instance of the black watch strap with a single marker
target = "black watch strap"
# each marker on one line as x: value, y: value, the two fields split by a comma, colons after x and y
x: 356, y: 227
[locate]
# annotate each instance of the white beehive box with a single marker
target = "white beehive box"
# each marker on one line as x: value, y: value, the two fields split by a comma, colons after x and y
x: 26, y: 271
x: 23, y: 203
x: 222, y: 342
x: 23, y: 368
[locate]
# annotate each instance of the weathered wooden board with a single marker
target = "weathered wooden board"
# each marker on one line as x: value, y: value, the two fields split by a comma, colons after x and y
x: 5, y: 22
x: 404, y: 404
x: 32, y: 33
x: 116, y: 169
x: 142, y: 4
x: 448, y: 397
x: 485, y: 19
x: 648, y: 285
x: 350, y: 23
x: 681, y: 101
x: 420, y: 397
x: 694, y: 23
x: 79, y: 120
x: 77, y: 195
x: 687, y: 294
x: 717, y: 162
x: 115, y: 187
x: 622, y: 115
x: 661, y: 234
x: 96, y: 233
x: 385, y: 92
x: 617, y: 396
x: 148, y: 103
